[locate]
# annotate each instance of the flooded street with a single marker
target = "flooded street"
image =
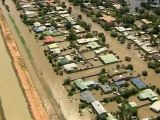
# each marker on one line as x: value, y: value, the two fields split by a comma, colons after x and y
x: 134, y: 3
x: 13, y: 101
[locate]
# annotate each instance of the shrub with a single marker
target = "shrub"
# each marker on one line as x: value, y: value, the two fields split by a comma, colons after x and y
x: 144, y: 73
x: 127, y: 58
x: 67, y: 81
x: 157, y: 70
x: 114, y: 34
x: 130, y: 67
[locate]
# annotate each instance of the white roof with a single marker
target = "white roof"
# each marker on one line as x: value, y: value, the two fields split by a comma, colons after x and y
x: 86, y: 40
x: 131, y: 37
x: 59, y: 8
x: 26, y: 5
x: 70, y: 67
x: 65, y: 15
x: 101, y: 50
x: 69, y: 58
x: 29, y: 12
x: 37, y: 24
x: 77, y: 27
x: 56, y: 50
x: 155, y: 106
x: 98, y: 107
x: 62, y: 12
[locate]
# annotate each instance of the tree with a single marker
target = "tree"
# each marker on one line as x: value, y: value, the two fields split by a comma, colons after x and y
x: 130, y: 67
x: 103, y: 70
x: 68, y: 25
x: 69, y: 10
x: 67, y: 81
x: 3, y: 2
x: 144, y: 73
x: 113, y: 34
x: 72, y: 36
x: 127, y: 58
x: 79, y: 16
x: 89, y: 35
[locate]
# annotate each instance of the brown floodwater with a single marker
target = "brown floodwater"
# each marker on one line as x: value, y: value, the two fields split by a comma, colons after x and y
x: 13, y: 101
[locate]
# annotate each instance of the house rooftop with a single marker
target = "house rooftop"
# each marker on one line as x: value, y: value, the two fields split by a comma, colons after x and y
x: 109, y: 58
x: 98, y: 107
x: 155, y: 106
x: 87, y: 97
x: 138, y: 83
x: 106, y: 88
x: 148, y: 94
x: 107, y: 18
x: 80, y: 84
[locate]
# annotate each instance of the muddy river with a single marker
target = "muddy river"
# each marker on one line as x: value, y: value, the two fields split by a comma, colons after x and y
x: 13, y: 101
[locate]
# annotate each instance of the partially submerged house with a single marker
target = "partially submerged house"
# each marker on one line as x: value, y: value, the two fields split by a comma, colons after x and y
x: 148, y: 94
x: 155, y: 106
x: 139, y: 84
x: 109, y: 58
x: 98, y: 108
x: 106, y: 88
x: 87, y: 97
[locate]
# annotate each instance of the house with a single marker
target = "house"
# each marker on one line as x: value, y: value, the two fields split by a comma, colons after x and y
x: 148, y: 94
x: 98, y: 108
x: 138, y: 83
x: 48, y: 39
x: 101, y: 50
x: 117, y: 6
x: 109, y: 58
x: 120, y: 83
x: 120, y: 77
x: 86, y: 40
x: 106, y: 88
x: 108, y: 19
x: 145, y: 21
x: 36, y: 24
x: 63, y: 60
x: 93, y: 45
x: 155, y: 106
x: 39, y: 29
x: 55, y: 51
x: 70, y: 67
x: 114, y: 72
x: 80, y: 84
x: 87, y: 97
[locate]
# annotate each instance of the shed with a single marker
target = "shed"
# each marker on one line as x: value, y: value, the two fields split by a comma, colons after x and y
x: 80, y: 84
x: 110, y: 117
x: 53, y: 45
x: 138, y: 83
x: 119, y: 83
x: 55, y: 51
x: 155, y: 106
x: 37, y: 24
x: 106, y: 88
x: 98, y: 107
x: 87, y: 97
x: 109, y: 58
x: 133, y: 104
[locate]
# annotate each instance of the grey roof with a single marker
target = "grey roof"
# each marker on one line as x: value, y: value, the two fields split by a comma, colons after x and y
x: 106, y: 88
x: 87, y: 97
x: 98, y: 107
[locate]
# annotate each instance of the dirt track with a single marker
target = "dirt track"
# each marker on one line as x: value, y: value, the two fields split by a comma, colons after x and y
x: 34, y: 101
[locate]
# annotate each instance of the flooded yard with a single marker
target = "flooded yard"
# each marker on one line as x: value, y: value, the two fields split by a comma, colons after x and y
x: 13, y: 101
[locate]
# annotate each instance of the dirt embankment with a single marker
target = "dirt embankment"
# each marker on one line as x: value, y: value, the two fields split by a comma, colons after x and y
x: 35, y: 104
